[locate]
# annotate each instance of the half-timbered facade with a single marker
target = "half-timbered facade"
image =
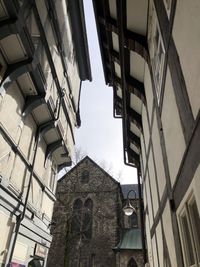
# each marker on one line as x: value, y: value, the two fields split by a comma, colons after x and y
x: 42, y: 64
x: 151, y: 57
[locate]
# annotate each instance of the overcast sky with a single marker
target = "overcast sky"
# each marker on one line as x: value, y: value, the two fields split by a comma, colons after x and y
x: 100, y: 135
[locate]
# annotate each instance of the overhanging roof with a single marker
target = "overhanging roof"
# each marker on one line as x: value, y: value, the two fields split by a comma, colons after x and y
x: 122, y: 33
x: 131, y: 239
x: 77, y: 18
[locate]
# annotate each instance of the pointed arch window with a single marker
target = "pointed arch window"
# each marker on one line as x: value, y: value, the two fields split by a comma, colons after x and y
x: 77, y: 217
x: 132, y: 263
x: 87, y: 219
x: 81, y: 222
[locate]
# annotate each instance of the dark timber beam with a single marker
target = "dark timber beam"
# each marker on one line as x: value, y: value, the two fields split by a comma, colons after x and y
x: 52, y: 147
x: 14, y: 71
x: 8, y: 27
x: 134, y: 139
x: 132, y: 41
x: 134, y: 86
x: 46, y: 127
x: 51, y: 63
x: 31, y: 103
x: 108, y: 39
x: 134, y: 156
x: 63, y: 165
x: 178, y: 79
x: 135, y: 117
x: 12, y: 7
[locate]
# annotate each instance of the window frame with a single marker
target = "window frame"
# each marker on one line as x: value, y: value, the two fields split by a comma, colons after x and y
x: 52, y: 177
x: 157, y: 50
x: 185, y: 211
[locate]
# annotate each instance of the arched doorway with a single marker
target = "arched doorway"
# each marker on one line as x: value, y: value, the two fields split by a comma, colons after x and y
x: 36, y: 263
x: 132, y: 263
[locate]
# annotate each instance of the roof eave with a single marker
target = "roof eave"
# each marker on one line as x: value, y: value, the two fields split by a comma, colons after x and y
x: 100, y: 44
x: 77, y: 18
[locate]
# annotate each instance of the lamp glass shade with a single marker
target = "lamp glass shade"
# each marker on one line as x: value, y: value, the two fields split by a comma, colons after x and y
x: 128, y: 209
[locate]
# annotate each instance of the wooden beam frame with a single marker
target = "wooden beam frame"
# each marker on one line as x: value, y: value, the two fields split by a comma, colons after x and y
x: 135, y: 117
x: 132, y: 40
x: 133, y: 86
x: 31, y: 103
x: 134, y: 139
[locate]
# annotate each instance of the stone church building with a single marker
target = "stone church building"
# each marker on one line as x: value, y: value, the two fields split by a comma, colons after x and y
x: 88, y: 221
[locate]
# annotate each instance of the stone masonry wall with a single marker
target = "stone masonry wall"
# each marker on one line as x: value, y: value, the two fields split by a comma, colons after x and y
x: 69, y: 249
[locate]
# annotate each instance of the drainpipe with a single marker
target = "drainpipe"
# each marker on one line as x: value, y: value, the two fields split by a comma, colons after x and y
x: 21, y: 216
x: 141, y: 209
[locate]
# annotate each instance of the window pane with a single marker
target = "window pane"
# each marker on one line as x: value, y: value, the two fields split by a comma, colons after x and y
x: 187, y: 241
x: 195, y: 220
x: 76, y: 217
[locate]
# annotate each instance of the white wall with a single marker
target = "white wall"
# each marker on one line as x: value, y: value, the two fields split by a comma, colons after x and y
x: 173, y: 134
x: 186, y: 34
x: 158, y: 157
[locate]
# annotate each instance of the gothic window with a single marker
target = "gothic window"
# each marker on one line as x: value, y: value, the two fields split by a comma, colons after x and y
x: 190, y: 232
x: 133, y: 220
x: 81, y: 223
x: 85, y: 177
x: 132, y: 263
x: 77, y: 217
x: 87, y: 219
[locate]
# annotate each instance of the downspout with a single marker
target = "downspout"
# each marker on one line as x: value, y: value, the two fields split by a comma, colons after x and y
x: 21, y: 216
x: 141, y: 209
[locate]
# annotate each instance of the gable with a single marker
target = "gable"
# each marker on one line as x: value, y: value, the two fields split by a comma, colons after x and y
x: 98, y: 179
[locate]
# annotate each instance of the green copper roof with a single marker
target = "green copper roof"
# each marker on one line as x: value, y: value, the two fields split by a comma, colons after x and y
x: 131, y: 239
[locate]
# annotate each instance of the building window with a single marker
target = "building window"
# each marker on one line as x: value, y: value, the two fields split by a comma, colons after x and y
x: 82, y: 219
x: 189, y: 222
x: 77, y: 217
x: 52, y: 180
x: 33, y: 29
x: 85, y: 177
x: 87, y: 219
x: 132, y: 263
x: 156, y: 48
x: 158, y: 60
